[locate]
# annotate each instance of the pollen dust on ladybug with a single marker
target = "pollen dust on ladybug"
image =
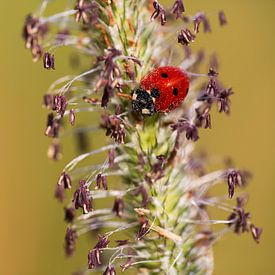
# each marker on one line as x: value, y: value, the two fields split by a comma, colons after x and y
x: 161, y: 90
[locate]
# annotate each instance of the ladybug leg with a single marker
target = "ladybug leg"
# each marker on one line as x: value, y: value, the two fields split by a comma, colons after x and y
x: 143, y: 102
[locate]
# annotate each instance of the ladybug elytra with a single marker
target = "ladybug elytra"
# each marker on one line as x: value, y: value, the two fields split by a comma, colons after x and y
x: 161, y: 90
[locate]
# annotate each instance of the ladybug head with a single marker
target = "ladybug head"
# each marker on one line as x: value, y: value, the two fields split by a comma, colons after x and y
x: 144, y: 101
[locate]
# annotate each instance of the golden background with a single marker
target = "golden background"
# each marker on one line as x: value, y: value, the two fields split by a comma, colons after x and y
x: 32, y: 231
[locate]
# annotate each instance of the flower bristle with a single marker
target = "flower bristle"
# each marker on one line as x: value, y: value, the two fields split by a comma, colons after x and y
x: 160, y: 204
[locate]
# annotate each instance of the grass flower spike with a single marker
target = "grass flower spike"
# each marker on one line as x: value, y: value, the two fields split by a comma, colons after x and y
x: 144, y: 83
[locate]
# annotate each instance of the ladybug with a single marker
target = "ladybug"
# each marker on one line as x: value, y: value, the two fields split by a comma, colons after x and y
x: 161, y: 90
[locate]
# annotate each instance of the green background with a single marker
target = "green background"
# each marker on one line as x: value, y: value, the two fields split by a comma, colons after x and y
x: 31, y: 232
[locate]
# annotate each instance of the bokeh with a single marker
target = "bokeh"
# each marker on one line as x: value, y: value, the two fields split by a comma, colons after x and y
x: 32, y: 232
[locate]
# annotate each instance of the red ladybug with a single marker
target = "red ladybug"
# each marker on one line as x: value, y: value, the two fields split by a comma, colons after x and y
x: 161, y: 90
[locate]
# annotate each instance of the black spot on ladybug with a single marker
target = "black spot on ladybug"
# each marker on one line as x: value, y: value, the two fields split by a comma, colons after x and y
x: 155, y: 93
x: 164, y: 75
x: 175, y: 91
x: 187, y: 90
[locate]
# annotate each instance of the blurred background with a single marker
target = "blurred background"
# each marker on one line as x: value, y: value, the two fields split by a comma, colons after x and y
x: 32, y: 231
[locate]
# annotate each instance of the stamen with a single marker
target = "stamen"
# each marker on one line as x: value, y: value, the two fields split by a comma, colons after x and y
x: 58, y: 16
x: 197, y: 75
x: 107, y: 193
x: 66, y: 87
x: 76, y: 160
x: 207, y: 180
x: 111, y: 224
